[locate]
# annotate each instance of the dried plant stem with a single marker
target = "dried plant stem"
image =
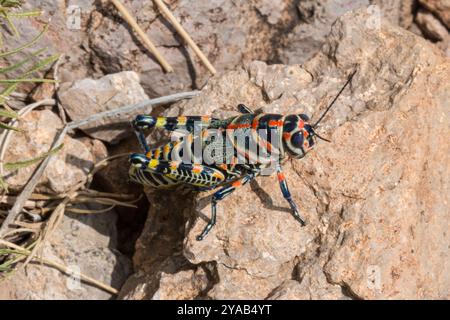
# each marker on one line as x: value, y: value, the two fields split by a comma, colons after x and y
x: 37, y: 174
x: 186, y: 37
x: 60, y: 267
x: 144, y: 38
x: 133, y: 108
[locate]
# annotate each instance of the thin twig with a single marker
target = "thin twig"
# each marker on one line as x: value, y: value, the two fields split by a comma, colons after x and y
x: 29, y: 187
x: 132, y: 108
x: 60, y: 267
x: 144, y: 38
x: 161, y: 5
x: 37, y: 174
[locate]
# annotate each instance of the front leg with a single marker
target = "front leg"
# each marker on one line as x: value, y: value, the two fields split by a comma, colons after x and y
x: 287, y: 195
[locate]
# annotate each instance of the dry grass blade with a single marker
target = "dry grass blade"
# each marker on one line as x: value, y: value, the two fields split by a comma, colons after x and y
x: 144, y: 38
x: 26, y: 163
x: 29, y: 44
x: 25, y: 252
x: 186, y: 37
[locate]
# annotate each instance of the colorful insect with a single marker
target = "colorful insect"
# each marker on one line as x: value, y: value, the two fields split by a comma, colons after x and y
x: 232, y: 164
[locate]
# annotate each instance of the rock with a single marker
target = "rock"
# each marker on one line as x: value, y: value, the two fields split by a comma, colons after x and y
x: 316, y: 18
x: 227, y: 32
x: 68, y: 166
x: 82, y: 243
x: 440, y: 8
x: 431, y: 26
x: 86, y: 97
x: 375, y: 199
x: 65, y: 36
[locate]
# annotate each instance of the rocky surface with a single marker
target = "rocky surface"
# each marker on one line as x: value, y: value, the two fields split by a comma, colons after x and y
x: 68, y: 166
x: 95, y: 41
x: 375, y: 199
x: 440, y: 8
x: 86, y: 97
x: 86, y: 245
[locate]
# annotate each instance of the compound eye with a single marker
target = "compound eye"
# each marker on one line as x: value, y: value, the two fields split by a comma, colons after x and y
x: 297, y: 139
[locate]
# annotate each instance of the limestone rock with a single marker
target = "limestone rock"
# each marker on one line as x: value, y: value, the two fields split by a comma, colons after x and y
x: 431, y: 26
x: 308, y: 35
x: 68, y: 166
x: 441, y: 8
x: 88, y: 96
x: 83, y: 244
x: 228, y: 32
x: 375, y: 199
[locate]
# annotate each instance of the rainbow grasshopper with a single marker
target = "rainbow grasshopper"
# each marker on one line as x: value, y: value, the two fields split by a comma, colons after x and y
x: 236, y: 165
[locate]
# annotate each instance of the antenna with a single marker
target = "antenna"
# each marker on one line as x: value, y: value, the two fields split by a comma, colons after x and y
x: 335, y: 98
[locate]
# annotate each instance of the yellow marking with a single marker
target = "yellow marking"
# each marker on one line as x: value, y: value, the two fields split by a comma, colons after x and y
x: 153, y: 163
x: 182, y: 120
x: 174, y: 165
x: 218, y: 175
x: 160, y: 122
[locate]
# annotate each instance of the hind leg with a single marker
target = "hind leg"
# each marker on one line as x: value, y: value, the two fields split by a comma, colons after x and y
x: 220, y: 195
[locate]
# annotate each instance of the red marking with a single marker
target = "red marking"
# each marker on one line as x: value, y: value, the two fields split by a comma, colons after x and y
x: 286, y: 136
x: 280, y: 176
x: 255, y: 124
x: 301, y: 124
x: 275, y: 123
x: 305, y: 134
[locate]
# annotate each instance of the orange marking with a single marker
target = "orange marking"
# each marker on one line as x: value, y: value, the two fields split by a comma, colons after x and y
x: 166, y: 148
x: 286, y: 136
x: 149, y: 154
x: 301, y: 124
x: 205, y: 119
x: 305, y: 134
x: 255, y: 124
x: 157, y: 153
x: 236, y: 184
x: 281, y: 176
x: 223, y: 166
x: 238, y: 126
x: 197, y: 169
x: 275, y: 123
